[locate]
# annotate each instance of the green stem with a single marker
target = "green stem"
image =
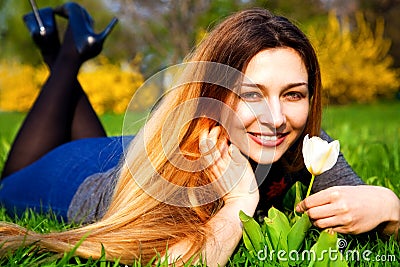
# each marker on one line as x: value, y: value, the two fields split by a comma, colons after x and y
x: 311, y: 183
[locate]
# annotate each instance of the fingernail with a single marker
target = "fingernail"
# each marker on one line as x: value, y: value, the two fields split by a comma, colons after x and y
x: 210, y: 143
x: 230, y: 150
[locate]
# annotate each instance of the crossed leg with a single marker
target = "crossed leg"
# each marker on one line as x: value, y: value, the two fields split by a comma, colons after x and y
x: 61, y: 112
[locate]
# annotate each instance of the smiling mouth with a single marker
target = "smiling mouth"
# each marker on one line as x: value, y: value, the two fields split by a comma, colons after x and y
x: 266, y: 137
x: 268, y: 140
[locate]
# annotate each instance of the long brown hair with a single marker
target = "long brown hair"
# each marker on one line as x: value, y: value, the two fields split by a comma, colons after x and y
x: 137, y: 225
x: 237, y: 39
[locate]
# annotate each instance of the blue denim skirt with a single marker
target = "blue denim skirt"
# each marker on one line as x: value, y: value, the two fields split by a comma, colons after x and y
x: 50, y: 182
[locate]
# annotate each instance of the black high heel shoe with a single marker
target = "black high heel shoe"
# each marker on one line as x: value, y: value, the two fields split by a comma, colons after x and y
x: 87, y: 43
x: 43, y: 29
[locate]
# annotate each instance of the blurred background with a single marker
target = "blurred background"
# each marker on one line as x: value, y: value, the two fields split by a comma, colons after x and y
x: 357, y: 42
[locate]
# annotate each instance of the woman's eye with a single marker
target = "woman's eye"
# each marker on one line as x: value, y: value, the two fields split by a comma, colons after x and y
x: 251, y: 96
x: 293, y: 96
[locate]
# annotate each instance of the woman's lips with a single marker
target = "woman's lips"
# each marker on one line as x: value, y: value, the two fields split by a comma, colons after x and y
x: 268, y: 140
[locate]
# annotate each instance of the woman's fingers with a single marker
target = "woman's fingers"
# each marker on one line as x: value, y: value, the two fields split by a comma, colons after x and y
x: 343, y: 208
x: 230, y: 171
x: 206, y: 149
x: 206, y: 146
x: 224, y: 162
x: 314, y: 200
x: 340, y: 223
x: 236, y: 155
x: 212, y: 154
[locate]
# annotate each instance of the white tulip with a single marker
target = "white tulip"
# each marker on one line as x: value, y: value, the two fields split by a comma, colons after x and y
x: 319, y: 155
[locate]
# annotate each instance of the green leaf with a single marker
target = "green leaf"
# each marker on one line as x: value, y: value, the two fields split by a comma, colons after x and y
x: 298, y: 232
x: 277, y: 229
x: 247, y: 243
x: 325, y: 252
x: 294, y: 195
x: 252, y: 231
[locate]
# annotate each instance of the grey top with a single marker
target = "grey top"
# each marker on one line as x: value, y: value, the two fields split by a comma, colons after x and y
x: 94, y: 195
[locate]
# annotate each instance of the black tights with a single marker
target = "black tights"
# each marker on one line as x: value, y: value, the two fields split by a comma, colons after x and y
x: 61, y: 112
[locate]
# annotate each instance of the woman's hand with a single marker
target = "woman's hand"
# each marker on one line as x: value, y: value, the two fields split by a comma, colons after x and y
x: 236, y: 182
x: 231, y: 172
x: 353, y: 209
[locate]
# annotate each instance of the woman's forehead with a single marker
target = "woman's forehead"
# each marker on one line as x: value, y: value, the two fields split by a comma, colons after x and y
x: 275, y: 68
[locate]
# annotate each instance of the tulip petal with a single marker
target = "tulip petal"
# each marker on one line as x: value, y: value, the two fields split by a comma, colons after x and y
x: 332, y: 156
x: 307, y: 152
x: 319, y: 155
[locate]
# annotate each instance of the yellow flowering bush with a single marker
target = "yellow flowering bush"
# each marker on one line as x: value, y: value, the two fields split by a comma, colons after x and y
x: 19, y: 85
x: 355, y: 65
x: 108, y: 86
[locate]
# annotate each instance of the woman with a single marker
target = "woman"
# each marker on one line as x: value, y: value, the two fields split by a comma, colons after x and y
x: 252, y: 134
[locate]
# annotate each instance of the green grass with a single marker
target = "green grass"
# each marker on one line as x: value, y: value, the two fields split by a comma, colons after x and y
x: 370, y: 140
x: 369, y: 137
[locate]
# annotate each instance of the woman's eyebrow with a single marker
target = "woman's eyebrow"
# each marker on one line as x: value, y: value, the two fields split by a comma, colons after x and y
x: 287, y: 86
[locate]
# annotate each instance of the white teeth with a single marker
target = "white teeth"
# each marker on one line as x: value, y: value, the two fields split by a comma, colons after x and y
x: 267, y: 138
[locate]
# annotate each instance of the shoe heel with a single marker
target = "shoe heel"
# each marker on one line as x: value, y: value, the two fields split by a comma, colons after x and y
x: 87, y: 43
x: 103, y: 35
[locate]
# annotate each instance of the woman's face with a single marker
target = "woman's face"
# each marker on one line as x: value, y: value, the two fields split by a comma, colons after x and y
x: 273, y: 107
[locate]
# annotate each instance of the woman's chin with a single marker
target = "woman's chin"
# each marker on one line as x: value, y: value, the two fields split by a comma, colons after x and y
x: 265, y: 158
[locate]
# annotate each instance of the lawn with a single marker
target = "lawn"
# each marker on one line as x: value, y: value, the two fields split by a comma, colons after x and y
x: 369, y: 137
x: 370, y: 140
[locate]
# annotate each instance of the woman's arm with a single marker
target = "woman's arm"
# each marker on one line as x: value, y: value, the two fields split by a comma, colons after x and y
x: 236, y: 177
x: 226, y: 232
x: 344, y: 202
x: 354, y: 209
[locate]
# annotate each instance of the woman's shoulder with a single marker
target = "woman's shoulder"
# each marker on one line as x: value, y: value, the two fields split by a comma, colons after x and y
x: 93, y: 197
x: 325, y: 136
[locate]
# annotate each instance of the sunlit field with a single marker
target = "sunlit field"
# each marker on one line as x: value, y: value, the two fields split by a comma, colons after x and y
x: 369, y: 136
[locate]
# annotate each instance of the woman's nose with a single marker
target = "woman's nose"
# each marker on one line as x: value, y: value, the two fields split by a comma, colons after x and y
x: 272, y: 114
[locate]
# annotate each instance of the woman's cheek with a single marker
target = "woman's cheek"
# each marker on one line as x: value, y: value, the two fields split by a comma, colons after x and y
x: 297, y: 116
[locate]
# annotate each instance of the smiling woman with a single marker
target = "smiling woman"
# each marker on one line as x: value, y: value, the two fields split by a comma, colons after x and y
x: 273, y: 110
x: 244, y: 126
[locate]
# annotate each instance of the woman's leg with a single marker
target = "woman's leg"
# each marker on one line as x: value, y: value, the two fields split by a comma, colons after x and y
x: 85, y: 122
x: 61, y: 113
